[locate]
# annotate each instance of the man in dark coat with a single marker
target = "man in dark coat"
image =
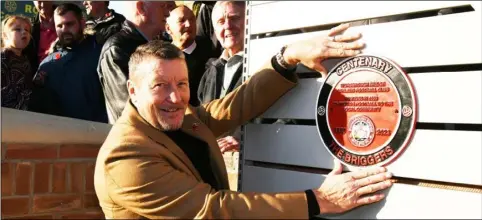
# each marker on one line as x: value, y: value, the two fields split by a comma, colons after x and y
x: 104, y: 22
x: 66, y: 83
x: 144, y: 21
x: 181, y: 26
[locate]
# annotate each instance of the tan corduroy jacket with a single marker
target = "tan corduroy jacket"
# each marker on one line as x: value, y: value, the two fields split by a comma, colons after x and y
x: 141, y: 173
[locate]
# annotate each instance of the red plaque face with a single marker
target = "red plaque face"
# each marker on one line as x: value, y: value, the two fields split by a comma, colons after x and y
x: 366, y: 111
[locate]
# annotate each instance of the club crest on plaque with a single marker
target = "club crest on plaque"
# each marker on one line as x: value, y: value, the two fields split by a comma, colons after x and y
x: 366, y: 111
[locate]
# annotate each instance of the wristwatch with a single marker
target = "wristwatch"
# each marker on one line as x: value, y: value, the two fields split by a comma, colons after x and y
x: 281, y: 60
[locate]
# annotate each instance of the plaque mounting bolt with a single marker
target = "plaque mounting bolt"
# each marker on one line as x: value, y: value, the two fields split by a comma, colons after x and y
x: 321, y: 110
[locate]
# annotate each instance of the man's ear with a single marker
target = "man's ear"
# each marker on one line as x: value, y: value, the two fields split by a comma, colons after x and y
x: 141, y: 7
x: 168, y: 29
x: 131, y: 90
x: 4, y: 36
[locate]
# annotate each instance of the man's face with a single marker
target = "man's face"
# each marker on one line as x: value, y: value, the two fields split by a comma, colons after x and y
x: 182, y: 25
x: 156, y: 14
x: 44, y: 7
x: 94, y: 8
x: 228, y: 22
x: 161, y: 92
x: 69, y: 29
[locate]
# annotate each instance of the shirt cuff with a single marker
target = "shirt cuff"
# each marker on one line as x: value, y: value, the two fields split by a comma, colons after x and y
x: 313, y: 208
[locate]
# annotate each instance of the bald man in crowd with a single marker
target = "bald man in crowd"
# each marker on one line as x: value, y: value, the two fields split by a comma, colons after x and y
x: 144, y: 21
x: 181, y: 26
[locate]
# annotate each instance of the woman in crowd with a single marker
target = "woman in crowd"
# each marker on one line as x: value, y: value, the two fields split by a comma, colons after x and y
x: 16, y: 70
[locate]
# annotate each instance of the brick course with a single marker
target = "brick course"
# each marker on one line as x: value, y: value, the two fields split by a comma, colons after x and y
x: 56, y: 181
x: 48, y: 181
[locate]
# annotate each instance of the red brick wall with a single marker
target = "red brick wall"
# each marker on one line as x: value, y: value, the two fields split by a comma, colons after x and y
x: 49, y: 181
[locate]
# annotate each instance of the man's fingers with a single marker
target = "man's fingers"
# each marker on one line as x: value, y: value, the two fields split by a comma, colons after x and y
x: 339, y: 29
x: 373, y: 179
x: 369, y: 199
x: 340, y: 53
x: 368, y: 172
x: 229, y: 147
x: 373, y: 188
x: 223, y: 145
x: 346, y: 37
x: 222, y: 141
x: 342, y: 45
x: 223, y: 150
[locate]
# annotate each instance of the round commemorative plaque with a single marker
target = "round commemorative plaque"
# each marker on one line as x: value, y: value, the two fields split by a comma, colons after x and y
x: 366, y: 111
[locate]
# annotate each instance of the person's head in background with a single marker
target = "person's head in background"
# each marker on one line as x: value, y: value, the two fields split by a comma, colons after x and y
x: 16, y: 33
x: 147, y: 16
x: 181, y: 26
x: 96, y: 9
x: 228, y: 22
x: 69, y: 24
x: 45, y: 9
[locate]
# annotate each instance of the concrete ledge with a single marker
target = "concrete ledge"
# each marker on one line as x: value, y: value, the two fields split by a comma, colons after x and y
x: 30, y: 127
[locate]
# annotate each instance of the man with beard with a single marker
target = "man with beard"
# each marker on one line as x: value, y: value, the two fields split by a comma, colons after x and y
x: 161, y: 161
x: 181, y: 26
x: 144, y: 21
x: 66, y: 82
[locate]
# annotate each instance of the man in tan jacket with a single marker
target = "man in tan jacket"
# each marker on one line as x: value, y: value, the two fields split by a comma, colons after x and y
x: 161, y: 158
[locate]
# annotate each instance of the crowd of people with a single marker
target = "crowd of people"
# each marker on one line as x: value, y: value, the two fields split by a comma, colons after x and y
x: 175, y: 100
x: 67, y: 65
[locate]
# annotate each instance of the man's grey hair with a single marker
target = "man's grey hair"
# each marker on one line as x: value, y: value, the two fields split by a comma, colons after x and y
x: 154, y: 49
x: 240, y: 4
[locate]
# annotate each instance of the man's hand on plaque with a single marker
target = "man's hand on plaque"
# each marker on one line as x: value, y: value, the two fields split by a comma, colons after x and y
x: 342, y: 192
x: 334, y: 45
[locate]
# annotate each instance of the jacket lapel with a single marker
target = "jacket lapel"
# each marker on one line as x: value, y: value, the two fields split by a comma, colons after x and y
x: 194, y: 127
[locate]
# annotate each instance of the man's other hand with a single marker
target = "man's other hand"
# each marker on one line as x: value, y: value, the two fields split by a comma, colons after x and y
x: 342, y: 192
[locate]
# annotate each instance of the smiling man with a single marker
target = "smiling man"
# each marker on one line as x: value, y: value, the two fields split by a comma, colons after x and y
x: 161, y: 160
x: 224, y: 74
x: 181, y: 26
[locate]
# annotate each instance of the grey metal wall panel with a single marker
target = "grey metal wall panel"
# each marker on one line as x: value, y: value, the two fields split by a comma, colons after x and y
x: 403, y: 201
x: 432, y: 155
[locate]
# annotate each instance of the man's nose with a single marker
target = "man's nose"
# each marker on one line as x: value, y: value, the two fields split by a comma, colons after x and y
x: 175, y: 97
x: 227, y: 24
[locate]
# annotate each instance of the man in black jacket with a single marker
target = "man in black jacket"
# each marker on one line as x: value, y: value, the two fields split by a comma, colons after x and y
x: 181, y: 26
x: 144, y: 20
x: 104, y: 22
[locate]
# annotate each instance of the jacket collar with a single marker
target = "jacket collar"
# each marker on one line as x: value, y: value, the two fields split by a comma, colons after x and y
x: 192, y: 126
x: 131, y: 29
